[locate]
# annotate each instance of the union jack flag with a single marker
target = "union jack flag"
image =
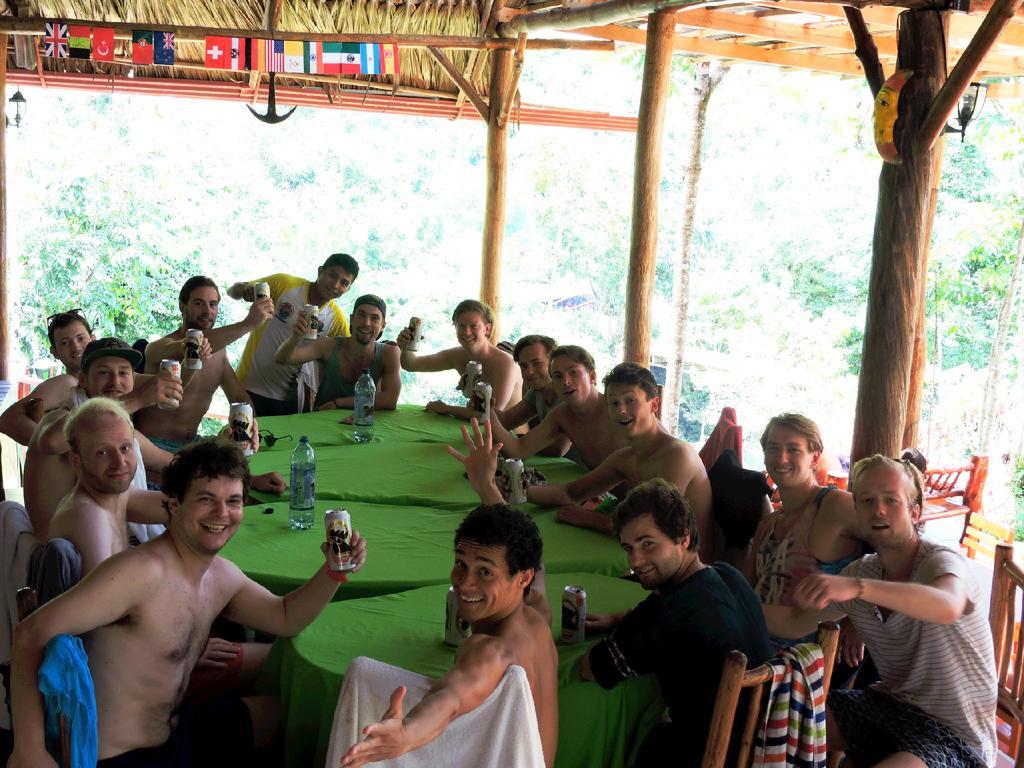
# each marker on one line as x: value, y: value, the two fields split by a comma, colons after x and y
x: 56, y: 40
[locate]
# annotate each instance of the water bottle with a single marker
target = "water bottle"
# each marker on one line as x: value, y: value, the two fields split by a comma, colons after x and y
x: 302, y: 492
x: 366, y: 391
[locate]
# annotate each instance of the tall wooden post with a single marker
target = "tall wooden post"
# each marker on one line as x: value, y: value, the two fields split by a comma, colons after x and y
x: 647, y: 176
x: 915, y: 389
x: 901, y: 226
x: 494, y: 210
x: 4, y: 314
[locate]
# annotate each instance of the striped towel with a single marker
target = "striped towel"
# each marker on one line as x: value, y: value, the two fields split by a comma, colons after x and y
x: 793, y: 730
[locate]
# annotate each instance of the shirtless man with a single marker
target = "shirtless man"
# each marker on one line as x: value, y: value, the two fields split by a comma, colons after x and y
x: 345, y: 358
x: 69, y: 332
x: 473, y: 322
x: 497, y: 551
x: 632, y: 396
x: 199, y: 302
x: 816, y: 529
x: 580, y: 417
x: 107, y: 371
x: 145, y: 615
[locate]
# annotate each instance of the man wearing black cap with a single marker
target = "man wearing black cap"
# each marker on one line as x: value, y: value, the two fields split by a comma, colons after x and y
x: 345, y: 358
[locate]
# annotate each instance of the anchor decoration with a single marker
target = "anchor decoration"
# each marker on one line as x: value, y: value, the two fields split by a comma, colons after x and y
x: 271, y: 117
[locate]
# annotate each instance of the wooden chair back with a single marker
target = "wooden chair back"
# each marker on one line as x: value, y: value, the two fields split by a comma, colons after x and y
x: 737, y: 680
x: 1004, y: 619
x: 27, y: 604
x: 982, y: 535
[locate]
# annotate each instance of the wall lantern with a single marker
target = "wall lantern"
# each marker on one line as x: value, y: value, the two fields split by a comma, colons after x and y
x: 970, y: 106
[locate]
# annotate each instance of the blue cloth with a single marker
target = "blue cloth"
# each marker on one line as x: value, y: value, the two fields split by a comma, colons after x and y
x: 66, y: 685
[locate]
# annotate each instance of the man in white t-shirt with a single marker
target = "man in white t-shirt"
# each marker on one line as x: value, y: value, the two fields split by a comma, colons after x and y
x: 273, y: 387
x: 918, y: 610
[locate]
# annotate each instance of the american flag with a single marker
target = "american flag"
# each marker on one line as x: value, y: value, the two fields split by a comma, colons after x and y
x: 56, y: 40
x: 275, y: 55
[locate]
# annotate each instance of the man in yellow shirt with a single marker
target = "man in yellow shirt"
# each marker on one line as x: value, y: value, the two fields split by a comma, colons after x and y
x: 273, y: 387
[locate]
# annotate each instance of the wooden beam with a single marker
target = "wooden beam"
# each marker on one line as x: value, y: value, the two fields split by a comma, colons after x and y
x: 900, y: 227
x: 494, y: 207
x: 271, y: 14
x: 191, y: 34
x: 963, y: 27
x: 946, y: 100
x: 867, y: 50
x: 464, y: 85
x: 4, y: 288
x: 513, y: 85
x: 772, y: 29
x: 39, y: 65
x: 475, y: 65
x: 842, y: 65
x: 880, y: 15
x: 643, y: 244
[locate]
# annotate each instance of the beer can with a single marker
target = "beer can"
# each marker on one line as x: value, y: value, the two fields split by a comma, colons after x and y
x: 338, y: 526
x: 513, y: 469
x: 456, y: 629
x: 240, y: 420
x: 482, y: 401
x: 261, y: 290
x: 312, y: 317
x: 174, y: 367
x: 193, y: 340
x: 574, y: 614
x: 473, y: 371
x: 415, y: 325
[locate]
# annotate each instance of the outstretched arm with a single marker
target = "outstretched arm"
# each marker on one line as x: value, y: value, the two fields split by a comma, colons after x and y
x: 481, y: 462
x: 293, y: 352
x: 479, y: 666
x: 534, y: 441
x: 941, y: 602
x: 605, y: 477
x: 439, y: 361
x: 20, y: 420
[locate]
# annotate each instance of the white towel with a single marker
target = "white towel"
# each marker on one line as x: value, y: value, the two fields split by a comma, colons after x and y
x: 500, y: 733
x: 17, y: 541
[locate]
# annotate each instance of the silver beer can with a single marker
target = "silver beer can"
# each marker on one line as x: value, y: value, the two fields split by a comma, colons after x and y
x: 513, y: 469
x: 240, y: 421
x: 415, y: 328
x: 482, y: 401
x: 193, y: 341
x: 473, y: 371
x: 574, y: 614
x: 174, y: 367
x: 338, y: 526
x: 312, y: 317
x: 456, y: 629
x: 261, y: 290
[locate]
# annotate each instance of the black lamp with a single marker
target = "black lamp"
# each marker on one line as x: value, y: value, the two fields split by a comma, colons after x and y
x: 969, y: 107
x: 20, y: 107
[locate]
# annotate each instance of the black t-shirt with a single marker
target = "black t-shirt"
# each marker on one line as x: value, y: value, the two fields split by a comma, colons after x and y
x: 682, y: 634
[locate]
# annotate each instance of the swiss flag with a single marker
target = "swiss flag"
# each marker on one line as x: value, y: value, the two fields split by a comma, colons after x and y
x: 218, y: 52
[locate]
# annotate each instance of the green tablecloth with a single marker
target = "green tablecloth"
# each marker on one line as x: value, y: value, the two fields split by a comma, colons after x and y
x: 408, y: 547
x: 407, y: 423
x: 596, y: 727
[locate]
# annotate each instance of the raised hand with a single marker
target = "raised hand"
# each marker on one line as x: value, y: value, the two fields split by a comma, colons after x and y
x: 403, y: 338
x: 260, y: 311
x: 481, y: 461
x: 384, y: 739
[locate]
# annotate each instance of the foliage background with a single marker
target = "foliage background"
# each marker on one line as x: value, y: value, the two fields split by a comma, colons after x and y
x: 115, y: 200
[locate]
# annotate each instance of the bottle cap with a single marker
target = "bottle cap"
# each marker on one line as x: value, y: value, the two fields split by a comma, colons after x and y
x: 366, y: 370
x: 303, y: 439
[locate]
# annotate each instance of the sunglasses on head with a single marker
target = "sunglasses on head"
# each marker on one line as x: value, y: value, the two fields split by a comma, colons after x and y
x: 268, y: 438
x: 76, y: 312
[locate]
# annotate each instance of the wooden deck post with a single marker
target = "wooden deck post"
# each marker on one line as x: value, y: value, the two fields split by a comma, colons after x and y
x: 915, y: 389
x: 4, y: 301
x: 901, y: 225
x: 494, y: 210
x: 647, y: 176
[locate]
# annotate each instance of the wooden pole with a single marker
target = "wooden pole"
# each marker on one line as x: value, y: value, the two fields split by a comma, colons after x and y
x: 494, y: 210
x: 646, y: 178
x: 901, y: 220
x: 190, y: 34
x: 513, y: 85
x: 915, y: 389
x: 4, y: 314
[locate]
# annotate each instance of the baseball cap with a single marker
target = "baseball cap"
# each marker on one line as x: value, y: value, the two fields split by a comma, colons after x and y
x: 111, y: 346
x: 374, y: 301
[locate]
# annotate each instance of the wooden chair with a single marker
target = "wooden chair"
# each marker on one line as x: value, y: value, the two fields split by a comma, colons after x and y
x: 955, y: 491
x: 982, y: 536
x: 27, y: 603
x: 737, y: 679
x: 1004, y: 619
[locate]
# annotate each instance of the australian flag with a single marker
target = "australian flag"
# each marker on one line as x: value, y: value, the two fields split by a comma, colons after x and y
x: 163, y: 48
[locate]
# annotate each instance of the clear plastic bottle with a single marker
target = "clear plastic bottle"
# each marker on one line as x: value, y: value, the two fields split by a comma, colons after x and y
x: 366, y: 393
x: 302, y: 491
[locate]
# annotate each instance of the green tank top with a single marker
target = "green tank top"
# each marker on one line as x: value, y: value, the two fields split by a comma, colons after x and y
x: 333, y: 385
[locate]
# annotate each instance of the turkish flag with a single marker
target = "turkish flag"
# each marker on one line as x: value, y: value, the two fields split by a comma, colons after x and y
x: 102, y: 44
x: 218, y: 52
